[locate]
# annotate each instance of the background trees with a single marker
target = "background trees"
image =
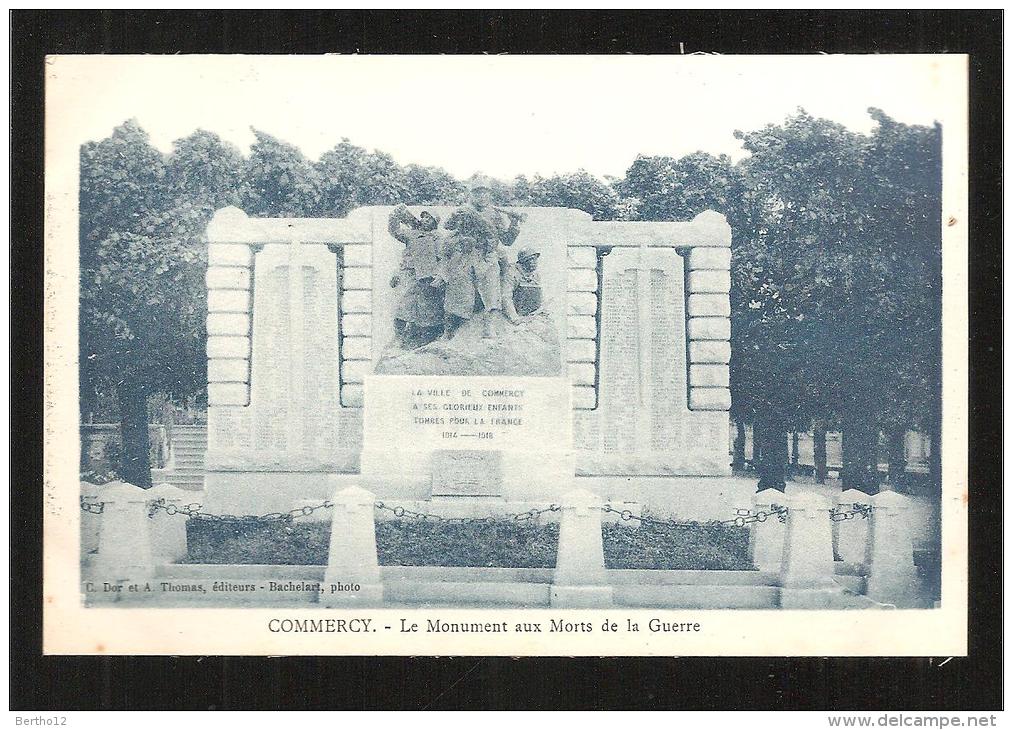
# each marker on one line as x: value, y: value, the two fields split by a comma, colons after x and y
x: 580, y: 190
x: 280, y: 182
x: 904, y: 165
x: 797, y: 268
x: 668, y: 189
x: 141, y: 275
x: 836, y: 280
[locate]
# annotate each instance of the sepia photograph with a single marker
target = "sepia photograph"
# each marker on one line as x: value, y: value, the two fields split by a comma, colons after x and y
x: 503, y: 354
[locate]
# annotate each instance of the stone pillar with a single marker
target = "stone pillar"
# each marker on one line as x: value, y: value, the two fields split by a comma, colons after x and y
x: 124, y: 552
x: 229, y: 310
x: 168, y: 531
x: 807, y: 567
x: 357, y: 343
x: 352, y: 559
x: 851, y: 537
x: 580, y: 580
x: 766, y: 539
x: 892, y: 575
x: 582, y: 330
x: 709, y: 327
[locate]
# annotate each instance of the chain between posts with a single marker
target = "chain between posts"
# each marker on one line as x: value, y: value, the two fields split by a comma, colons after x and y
x: 857, y: 510
x: 404, y: 512
x: 95, y: 508
x: 193, y: 511
x: 743, y: 517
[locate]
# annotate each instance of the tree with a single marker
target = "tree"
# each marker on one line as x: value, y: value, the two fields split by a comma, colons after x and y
x: 666, y: 189
x: 432, y: 186
x: 351, y: 177
x: 521, y: 190
x: 142, y: 271
x: 580, y: 190
x: 835, y: 295
x: 385, y: 182
x: 905, y: 199
x: 795, y: 267
x: 342, y: 174
x: 122, y: 178
x: 204, y: 173
x: 208, y: 171
x: 280, y: 181
x: 141, y: 306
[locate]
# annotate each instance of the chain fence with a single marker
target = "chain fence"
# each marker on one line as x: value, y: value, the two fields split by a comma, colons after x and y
x: 742, y: 517
x: 404, y: 512
x: 857, y: 510
x: 95, y: 508
x: 194, y: 511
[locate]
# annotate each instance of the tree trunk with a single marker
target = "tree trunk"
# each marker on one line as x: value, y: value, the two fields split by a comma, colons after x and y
x: 135, y: 463
x: 793, y: 472
x: 897, y: 457
x: 739, y: 447
x: 859, y: 446
x: 773, y: 443
x: 820, y: 453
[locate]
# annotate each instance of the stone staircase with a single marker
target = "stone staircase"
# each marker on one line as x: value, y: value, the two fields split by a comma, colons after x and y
x: 189, y: 448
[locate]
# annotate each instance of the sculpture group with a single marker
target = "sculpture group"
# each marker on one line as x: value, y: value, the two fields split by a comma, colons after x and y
x: 461, y: 271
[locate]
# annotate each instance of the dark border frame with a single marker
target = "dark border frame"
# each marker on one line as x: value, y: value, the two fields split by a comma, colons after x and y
x: 111, y: 683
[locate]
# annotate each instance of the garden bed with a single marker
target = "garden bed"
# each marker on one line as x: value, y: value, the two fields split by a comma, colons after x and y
x: 499, y: 544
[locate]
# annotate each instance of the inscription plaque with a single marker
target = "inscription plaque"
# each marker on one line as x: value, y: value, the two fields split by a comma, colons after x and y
x: 467, y: 473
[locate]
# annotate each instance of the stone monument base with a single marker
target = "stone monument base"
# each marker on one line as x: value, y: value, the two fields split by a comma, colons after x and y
x: 475, y: 437
x: 508, y: 475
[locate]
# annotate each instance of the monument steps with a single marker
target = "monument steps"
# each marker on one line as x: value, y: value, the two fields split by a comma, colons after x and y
x: 189, y: 447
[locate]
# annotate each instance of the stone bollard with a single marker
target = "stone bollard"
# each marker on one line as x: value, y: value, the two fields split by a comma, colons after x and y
x: 90, y: 522
x: 168, y: 531
x: 580, y: 580
x: 766, y: 539
x: 807, y: 568
x: 851, y: 537
x: 124, y: 548
x: 352, y: 578
x: 893, y: 578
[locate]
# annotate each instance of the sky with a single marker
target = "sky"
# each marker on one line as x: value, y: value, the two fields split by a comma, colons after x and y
x: 501, y: 115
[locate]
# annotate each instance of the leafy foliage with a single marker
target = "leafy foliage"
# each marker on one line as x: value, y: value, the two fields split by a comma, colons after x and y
x: 580, y: 190
x: 835, y: 276
x: 142, y: 301
x: 281, y: 182
x: 666, y: 189
x: 141, y: 257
